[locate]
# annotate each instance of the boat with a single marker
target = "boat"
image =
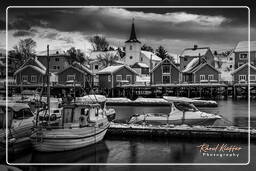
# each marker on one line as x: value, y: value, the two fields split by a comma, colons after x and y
x: 19, y: 125
x: 82, y: 123
x: 110, y: 112
x: 182, y: 111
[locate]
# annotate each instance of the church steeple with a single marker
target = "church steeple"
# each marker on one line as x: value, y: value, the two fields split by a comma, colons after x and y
x: 133, y: 37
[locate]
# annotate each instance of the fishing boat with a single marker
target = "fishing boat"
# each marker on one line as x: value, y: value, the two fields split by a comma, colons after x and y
x: 19, y: 125
x: 182, y: 112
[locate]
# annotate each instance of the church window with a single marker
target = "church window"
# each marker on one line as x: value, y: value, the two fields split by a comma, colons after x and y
x: 130, y: 57
x: 130, y: 47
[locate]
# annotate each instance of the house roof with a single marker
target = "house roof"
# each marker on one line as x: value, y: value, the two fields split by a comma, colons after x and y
x: 195, y: 52
x: 133, y: 37
x: 82, y: 67
x: 241, y: 67
x: 140, y: 65
x: 115, y: 68
x: 191, y: 65
x: 148, y: 55
x: 197, y: 68
x: 94, y: 55
x: 42, y: 71
x: 164, y: 61
x: 243, y: 46
x: 37, y: 62
x: 76, y: 68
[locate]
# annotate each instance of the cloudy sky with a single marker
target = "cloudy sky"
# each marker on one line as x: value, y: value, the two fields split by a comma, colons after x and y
x: 173, y: 28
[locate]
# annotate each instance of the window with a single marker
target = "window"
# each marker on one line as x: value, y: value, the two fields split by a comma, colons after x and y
x: 33, y: 78
x: 252, y: 77
x: 166, y: 68
x: 202, y: 77
x: 70, y: 77
x: 57, y: 59
x: 130, y: 57
x: 130, y: 47
x: 166, y: 79
x: 231, y: 59
x: 119, y: 78
x: 24, y: 78
x: 185, y: 59
x: 109, y: 78
x: 240, y: 64
x: 96, y: 67
x: 58, y: 67
x: 129, y: 78
x: 230, y: 66
x: 242, y: 77
x: 210, y: 77
x: 141, y: 59
x: 243, y: 56
x: 54, y: 67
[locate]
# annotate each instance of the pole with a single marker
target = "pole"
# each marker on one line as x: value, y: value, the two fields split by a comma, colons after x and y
x: 48, y: 80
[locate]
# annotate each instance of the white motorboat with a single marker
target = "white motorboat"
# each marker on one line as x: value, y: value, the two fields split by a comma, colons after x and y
x: 19, y: 125
x: 82, y: 123
x: 182, y: 112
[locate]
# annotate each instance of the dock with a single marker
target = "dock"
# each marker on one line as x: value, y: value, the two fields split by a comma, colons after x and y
x: 180, y: 131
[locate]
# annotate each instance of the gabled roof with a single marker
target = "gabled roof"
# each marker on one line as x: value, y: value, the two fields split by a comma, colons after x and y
x: 34, y: 61
x: 166, y: 59
x: 241, y: 67
x: 115, y: 68
x: 76, y: 68
x: 191, y: 65
x: 140, y: 65
x: 42, y: 71
x: 82, y: 67
x: 193, y: 52
x: 148, y: 55
x: 133, y: 37
x: 201, y: 66
x: 94, y: 55
x: 243, y: 46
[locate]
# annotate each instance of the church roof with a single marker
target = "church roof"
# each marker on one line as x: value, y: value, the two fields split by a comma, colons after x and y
x: 133, y: 38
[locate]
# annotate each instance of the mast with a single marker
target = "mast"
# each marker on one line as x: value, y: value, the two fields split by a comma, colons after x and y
x: 48, y: 80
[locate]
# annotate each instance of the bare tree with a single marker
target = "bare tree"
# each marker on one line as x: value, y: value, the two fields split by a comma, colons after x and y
x: 75, y: 55
x: 99, y: 43
x: 107, y: 59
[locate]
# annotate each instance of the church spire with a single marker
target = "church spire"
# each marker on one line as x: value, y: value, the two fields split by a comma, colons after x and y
x: 133, y: 37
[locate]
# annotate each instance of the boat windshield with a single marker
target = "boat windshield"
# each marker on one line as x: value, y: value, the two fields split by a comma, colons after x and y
x: 22, y: 114
x: 182, y: 106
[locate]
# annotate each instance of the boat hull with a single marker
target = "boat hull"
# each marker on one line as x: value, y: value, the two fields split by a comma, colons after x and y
x: 67, y: 139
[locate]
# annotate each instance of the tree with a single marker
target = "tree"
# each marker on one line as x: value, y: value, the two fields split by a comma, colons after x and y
x: 107, y: 59
x: 99, y: 43
x: 75, y: 55
x: 162, y: 53
x: 147, y: 48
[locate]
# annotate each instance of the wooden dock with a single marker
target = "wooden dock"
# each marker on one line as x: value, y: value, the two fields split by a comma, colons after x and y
x: 180, y: 131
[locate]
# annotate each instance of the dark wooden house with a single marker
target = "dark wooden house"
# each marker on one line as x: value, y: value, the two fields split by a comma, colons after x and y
x: 241, y: 74
x: 165, y: 72
x: 141, y: 68
x: 114, y: 76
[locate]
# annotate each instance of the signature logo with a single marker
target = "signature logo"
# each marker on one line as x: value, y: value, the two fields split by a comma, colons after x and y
x: 219, y: 150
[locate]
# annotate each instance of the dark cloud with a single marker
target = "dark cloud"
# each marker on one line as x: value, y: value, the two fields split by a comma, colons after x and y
x: 97, y: 21
x: 21, y: 33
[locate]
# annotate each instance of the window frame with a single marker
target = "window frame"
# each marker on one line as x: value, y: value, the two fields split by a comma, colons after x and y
x: 97, y: 67
x: 33, y: 80
x: 253, y: 75
x: 200, y: 76
x: 168, y: 67
x: 239, y: 77
x: 109, y: 78
x: 73, y: 75
x: 130, y: 81
x: 240, y: 56
x: 211, y: 75
x: 57, y: 59
x: 118, y: 80
x: 166, y: 76
x: 24, y: 76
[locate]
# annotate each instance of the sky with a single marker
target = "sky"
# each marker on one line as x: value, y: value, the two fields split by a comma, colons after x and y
x: 173, y: 28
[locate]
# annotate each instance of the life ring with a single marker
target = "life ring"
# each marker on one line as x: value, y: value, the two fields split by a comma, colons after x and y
x: 82, y: 121
x: 53, y: 117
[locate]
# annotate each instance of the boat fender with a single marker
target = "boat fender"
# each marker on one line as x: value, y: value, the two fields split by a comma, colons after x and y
x: 82, y: 121
x: 53, y: 117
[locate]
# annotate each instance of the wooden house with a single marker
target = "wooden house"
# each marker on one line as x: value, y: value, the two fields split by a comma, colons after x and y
x: 199, y: 71
x: 241, y: 74
x: 114, y: 76
x: 75, y: 74
x: 32, y: 72
x: 141, y: 68
x: 165, y: 72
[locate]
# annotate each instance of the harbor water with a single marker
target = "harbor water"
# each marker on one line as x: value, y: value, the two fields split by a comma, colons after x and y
x: 158, y: 150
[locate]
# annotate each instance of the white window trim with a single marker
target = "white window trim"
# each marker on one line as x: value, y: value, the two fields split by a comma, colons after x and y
x: 166, y: 72
x: 23, y: 78
x: 109, y: 78
x: 35, y: 78
x: 166, y: 76
x: 202, y: 76
x: 243, y: 54
x: 74, y: 77
x: 240, y: 76
x: 128, y: 76
x: 240, y: 64
x: 120, y: 76
x: 212, y: 77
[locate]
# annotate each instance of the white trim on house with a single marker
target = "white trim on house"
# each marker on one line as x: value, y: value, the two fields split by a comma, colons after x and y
x: 33, y: 78
x: 242, y: 78
x: 166, y: 76
x: 119, y: 78
x: 71, y: 77
x: 202, y: 77
x: 210, y: 77
x: 130, y: 80
x: 253, y: 76
x: 244, y: 58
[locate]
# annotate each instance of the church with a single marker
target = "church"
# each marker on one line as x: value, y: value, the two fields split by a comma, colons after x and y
x: 134, y: 54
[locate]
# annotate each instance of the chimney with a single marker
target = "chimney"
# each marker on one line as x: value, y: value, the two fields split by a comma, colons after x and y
x: 195, y: 47
x: 200, y: 58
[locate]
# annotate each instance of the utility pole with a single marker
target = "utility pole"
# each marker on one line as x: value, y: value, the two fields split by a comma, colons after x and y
x: 48, y: 80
